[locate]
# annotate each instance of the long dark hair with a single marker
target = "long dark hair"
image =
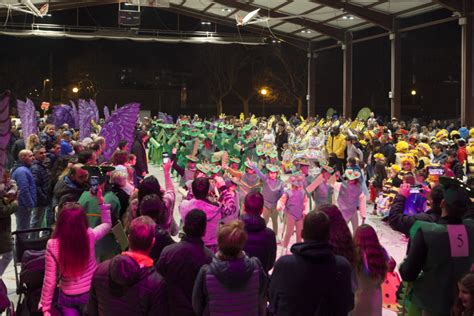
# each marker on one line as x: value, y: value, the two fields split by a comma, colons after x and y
x: 340, y: 237
x: 71, y: 233
x: 369, y: 252
x: 458, y: 309
x: 149, y: 185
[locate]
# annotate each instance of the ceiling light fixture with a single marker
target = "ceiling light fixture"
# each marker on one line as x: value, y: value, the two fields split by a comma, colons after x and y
x: 226, y: 10
x: 348, y: 17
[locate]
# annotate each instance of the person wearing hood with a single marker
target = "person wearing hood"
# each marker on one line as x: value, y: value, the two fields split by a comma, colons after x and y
x: 261, y: 242
x: 214, y: 211
x: 71, y: 186
x: 25, y: 181
x: 128, y: 284
x: 402, y: 222
x: 180, y: 263
x: 233, y: 283
x: 312, y: 262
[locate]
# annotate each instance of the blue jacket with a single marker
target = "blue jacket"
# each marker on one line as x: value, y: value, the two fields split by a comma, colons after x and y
x: 66, y: 148
x: 26, y: 185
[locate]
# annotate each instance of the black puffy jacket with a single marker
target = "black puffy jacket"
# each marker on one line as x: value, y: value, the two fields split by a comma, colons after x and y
x: 42, y: 178
x: 179, y: 264
x: 328, y: 276
x: 162, y: 239
x: 261, y: 242
x: 230, y: 287
x: 121, y: 287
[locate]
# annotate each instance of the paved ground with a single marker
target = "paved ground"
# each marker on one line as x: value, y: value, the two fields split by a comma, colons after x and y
x: 391, y: 240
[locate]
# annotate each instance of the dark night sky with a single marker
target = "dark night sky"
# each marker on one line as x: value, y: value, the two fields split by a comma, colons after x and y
x: 154, y: 72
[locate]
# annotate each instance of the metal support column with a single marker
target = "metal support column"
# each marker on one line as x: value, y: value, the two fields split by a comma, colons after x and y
x: 347, y: 77
x: 312, y: 96
x: 395, y: 75
x: 309, y: 56
x: 467, y: 65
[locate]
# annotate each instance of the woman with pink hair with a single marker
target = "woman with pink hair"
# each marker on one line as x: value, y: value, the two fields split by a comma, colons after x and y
x: 70, y: 255
x: 372, y: 264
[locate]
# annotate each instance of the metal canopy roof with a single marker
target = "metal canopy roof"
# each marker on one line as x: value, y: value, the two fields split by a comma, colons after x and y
x: 310, y: 20
x: 297, y: 21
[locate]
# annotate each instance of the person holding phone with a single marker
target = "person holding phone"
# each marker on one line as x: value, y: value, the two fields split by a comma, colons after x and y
x: 402, y: 222
x: 108, y: 246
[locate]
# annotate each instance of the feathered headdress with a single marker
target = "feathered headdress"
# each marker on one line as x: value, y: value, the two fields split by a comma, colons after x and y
x: 120, y: 126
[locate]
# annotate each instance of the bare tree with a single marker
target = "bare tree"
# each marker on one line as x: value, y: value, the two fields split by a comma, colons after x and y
x: 222, y: 65
x: 290, y: 80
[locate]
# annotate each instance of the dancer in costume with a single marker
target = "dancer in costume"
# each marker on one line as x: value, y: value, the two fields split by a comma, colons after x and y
x: 272, y: 190
x: 322, y: 187
x: 351, y: 197
x: 293, y: 203
x: 246, y: 181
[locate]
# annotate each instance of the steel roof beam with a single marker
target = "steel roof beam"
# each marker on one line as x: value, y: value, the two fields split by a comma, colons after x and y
x: 381, y: 19
x: 295, y: 41
x: 330, y: 31
x: 453, y: 5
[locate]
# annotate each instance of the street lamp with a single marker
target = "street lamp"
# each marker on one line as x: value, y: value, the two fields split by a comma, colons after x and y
x: 264, y: 92
x: 413, y: 92
x: 44, y: 87
x: 75, y: 90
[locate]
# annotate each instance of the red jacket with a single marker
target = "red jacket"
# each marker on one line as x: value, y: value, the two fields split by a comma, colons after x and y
x: 462, y: 155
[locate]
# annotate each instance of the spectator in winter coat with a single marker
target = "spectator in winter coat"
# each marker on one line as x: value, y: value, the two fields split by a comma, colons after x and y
x: 439, y: 156
x: 70, y: 187
x: 66, y: 147
x: 214, y: 211
x: 402, y: 222
x: 70, y: 255
x: 261, y: 242
x: 312, y: 262
x: 152, y: 206
x: 335, y: 147
x: 180, y: 263
x: 128, y: 284
x: 232, y: 284
x: 42, y: 178
x: 139, y: 150
x: 387, y: 149
x: 431, y: 264
x: 23, y: 177
x: 462, y: 151
x: 8, y: 206
x: 452, y: 163
x: 48, y: 137
x: 122, y: 189
x: 18, y: 146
